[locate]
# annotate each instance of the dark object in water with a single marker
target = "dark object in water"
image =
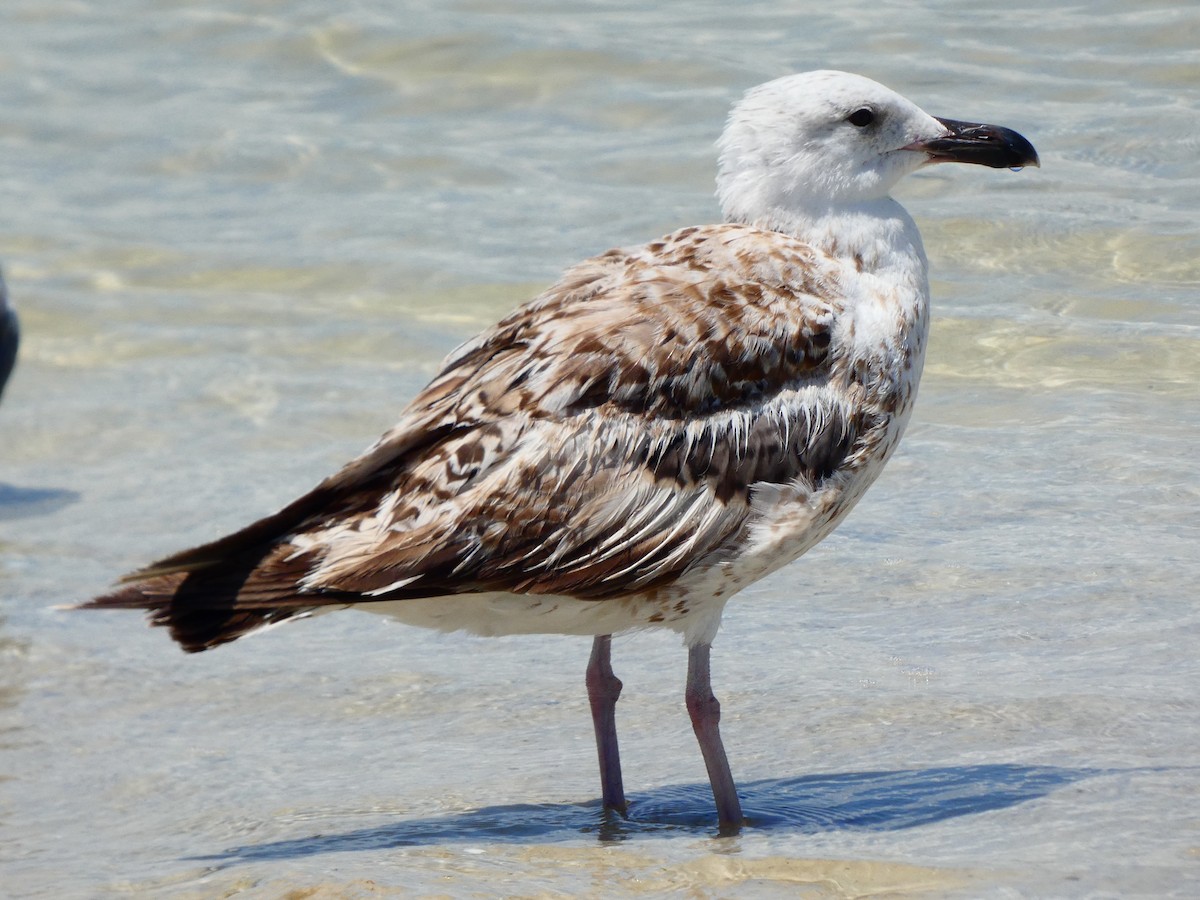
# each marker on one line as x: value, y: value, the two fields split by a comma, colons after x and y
x: 10, y: 334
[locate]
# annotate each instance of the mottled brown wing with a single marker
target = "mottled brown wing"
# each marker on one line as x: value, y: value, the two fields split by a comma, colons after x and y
x: 607, y: 436
x: 598, y: 441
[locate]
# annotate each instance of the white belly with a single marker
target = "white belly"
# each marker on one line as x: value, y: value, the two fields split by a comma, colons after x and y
x: 496, y: 614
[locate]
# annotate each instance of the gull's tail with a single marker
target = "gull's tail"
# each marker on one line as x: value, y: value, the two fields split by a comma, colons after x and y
x: 220, y: 591
x: 202, y: 610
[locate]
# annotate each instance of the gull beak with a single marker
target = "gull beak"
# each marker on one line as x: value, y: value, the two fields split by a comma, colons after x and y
x: 984, y: 145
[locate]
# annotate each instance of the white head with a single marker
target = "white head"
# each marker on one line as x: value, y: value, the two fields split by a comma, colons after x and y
x: 805, y: 143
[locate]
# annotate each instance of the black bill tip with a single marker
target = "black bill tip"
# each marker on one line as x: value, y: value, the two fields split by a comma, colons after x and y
x: 983, y: 145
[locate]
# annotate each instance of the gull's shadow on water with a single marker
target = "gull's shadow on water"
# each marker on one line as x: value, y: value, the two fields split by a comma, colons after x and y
x: 856, y: 801
x: 21, y: 503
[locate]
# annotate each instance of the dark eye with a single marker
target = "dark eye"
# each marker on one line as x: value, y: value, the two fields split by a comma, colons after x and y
x: 861, y: 118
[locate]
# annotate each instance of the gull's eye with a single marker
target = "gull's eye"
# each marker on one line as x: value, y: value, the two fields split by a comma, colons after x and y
x: 861, y: 118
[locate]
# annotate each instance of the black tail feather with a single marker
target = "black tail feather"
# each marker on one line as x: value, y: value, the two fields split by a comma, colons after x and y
x: 202, y: 609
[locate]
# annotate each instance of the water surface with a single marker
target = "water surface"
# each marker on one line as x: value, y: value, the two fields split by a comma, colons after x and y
x: 241, y: 235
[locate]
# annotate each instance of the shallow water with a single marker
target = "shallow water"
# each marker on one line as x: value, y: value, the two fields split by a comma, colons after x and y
x: 241, y: 235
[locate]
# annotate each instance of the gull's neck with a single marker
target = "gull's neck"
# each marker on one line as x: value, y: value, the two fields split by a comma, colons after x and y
x: 886, y: 283
x: 875, y: 235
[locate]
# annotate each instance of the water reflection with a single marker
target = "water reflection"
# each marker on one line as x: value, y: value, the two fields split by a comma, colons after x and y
x: 870, y: 801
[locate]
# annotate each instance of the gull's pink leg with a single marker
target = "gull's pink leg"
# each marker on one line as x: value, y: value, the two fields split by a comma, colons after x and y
x: 603, y: 689
x: 706, y: 716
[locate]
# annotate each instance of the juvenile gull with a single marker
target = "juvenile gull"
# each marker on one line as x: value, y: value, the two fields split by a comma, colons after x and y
x: 660, y: 428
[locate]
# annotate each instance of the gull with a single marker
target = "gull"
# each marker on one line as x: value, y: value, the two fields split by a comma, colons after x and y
x: 663, y: 426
